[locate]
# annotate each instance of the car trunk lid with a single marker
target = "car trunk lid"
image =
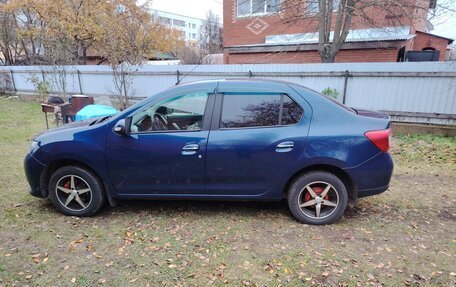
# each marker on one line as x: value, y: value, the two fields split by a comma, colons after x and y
x: 372, y: 114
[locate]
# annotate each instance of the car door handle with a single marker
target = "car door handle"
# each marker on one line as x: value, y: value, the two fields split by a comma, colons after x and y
x: 285, y: 146
x: 190, y: 149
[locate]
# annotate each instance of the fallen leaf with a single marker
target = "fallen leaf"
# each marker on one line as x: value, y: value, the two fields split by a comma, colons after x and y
x: 73, y: 243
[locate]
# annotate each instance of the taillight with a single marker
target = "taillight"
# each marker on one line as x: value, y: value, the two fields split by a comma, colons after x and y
x: 379, y: 138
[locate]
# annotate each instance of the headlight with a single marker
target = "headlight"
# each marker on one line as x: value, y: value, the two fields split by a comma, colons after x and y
x: 33, y: 146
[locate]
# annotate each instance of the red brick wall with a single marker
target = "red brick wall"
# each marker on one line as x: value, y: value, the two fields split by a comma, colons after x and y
x: 373, y: 55
x: 423, y: 40
x: 236, y: 31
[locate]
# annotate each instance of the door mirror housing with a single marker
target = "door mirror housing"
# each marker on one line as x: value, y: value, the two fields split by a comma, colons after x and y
x: 122, y: 127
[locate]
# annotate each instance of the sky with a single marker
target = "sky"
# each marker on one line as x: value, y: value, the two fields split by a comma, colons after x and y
x: 444, y: 26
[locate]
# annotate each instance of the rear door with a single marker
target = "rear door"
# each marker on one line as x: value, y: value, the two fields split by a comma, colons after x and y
x: 256, y: 136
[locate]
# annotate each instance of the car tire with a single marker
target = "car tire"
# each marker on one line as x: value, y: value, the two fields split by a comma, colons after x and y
x: 76, y: 191
x: 317, y: 198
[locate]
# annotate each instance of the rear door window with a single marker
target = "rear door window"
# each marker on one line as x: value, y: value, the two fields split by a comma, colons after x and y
x: 258, y: 110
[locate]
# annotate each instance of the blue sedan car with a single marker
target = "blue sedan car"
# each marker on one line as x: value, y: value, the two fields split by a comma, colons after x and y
x: 222, y: 140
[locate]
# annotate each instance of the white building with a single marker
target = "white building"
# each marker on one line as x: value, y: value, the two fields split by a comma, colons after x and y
x: 189, y: 26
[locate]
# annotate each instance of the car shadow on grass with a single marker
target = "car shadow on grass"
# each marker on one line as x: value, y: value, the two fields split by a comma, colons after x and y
x: 202, y: 209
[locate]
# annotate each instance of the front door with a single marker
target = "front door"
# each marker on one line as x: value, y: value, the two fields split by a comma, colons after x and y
x: 165, y: 150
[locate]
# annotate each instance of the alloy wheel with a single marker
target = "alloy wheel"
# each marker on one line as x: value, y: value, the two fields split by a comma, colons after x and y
x: 318, y: 200
x: 73, y: 192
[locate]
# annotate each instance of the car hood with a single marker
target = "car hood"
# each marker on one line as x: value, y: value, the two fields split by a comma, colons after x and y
x: 66, y: 127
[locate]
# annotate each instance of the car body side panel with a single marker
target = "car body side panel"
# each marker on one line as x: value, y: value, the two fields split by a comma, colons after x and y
x: 245, y: 161
x: 336, y: 137
x: 84, y: 144
x: 152, y: 163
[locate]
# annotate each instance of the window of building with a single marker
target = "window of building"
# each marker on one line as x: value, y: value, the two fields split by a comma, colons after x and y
x: 313, y: 6
x: 193, y: 26
x: 164, y: 20
x: 258, y: 110
x: 183, y: 34
x: 178, y: 23
x: 253, y: 7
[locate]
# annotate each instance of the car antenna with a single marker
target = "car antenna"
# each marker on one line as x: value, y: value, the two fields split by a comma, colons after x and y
x: 179, y: 80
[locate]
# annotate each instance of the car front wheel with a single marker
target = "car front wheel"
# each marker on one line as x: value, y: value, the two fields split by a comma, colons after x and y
x: 318, y: 198
x: 75, y: 191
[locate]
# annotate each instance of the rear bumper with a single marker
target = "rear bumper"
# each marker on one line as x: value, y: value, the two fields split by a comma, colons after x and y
x: 373, y: 176
x: 33, y: 171
x: 373, y: 191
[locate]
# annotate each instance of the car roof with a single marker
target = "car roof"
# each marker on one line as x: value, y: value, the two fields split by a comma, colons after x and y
x: 238, y: 80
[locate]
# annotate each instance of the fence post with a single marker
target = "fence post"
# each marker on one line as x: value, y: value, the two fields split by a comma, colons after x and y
x: 178, y: 77
x: 12, y: 81
x: 42, y: 76
x: 344, y: 97
x: 124, y: 84
x: 79, y: 80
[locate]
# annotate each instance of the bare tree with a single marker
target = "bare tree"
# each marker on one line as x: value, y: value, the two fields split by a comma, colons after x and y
x: 211, y: 39
x: 332, y: 19
x: 123, y: 84
x: 189, y: 55
x: 452, y: 54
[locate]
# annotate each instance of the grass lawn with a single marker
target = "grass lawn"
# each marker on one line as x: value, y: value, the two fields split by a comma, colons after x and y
x: 405, y: 236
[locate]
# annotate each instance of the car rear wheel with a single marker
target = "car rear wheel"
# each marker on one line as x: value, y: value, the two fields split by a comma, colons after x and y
x: 75, y: 191
x: 318, y: 198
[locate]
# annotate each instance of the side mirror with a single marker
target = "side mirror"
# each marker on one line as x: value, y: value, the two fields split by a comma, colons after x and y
x: 122, y: 127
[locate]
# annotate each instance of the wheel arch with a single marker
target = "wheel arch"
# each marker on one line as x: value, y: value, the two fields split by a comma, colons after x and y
x: 337, y: 171
x: 55, y: 165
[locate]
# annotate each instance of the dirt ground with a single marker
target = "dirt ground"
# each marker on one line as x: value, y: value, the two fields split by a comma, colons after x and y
x: 405, y: 236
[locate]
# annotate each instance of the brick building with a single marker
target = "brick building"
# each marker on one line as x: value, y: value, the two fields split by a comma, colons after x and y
x: 260, y: 31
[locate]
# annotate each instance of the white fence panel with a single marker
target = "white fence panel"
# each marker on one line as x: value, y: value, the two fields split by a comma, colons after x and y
x: 415, y: 92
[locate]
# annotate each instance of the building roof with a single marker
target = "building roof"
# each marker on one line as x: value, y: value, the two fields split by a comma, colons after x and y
x: 450, y: 41
x: 157, y: 55
x: 400, y: 33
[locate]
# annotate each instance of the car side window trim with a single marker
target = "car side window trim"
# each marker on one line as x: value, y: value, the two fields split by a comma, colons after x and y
x: 218, y: 109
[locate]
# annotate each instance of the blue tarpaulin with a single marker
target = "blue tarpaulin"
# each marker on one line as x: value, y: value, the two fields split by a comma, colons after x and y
x: 94, y: 111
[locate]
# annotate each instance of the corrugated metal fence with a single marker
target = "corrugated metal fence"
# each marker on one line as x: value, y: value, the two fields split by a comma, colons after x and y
x: 410, y: 92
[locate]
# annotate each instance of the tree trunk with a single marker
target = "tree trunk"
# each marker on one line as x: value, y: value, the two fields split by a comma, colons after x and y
x: 327, y: 59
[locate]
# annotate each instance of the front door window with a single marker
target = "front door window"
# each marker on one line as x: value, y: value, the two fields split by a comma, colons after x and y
x: 181, y: 113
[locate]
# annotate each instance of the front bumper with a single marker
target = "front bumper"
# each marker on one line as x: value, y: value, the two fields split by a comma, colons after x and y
x: 33, y: 171
x: 373, y: 176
